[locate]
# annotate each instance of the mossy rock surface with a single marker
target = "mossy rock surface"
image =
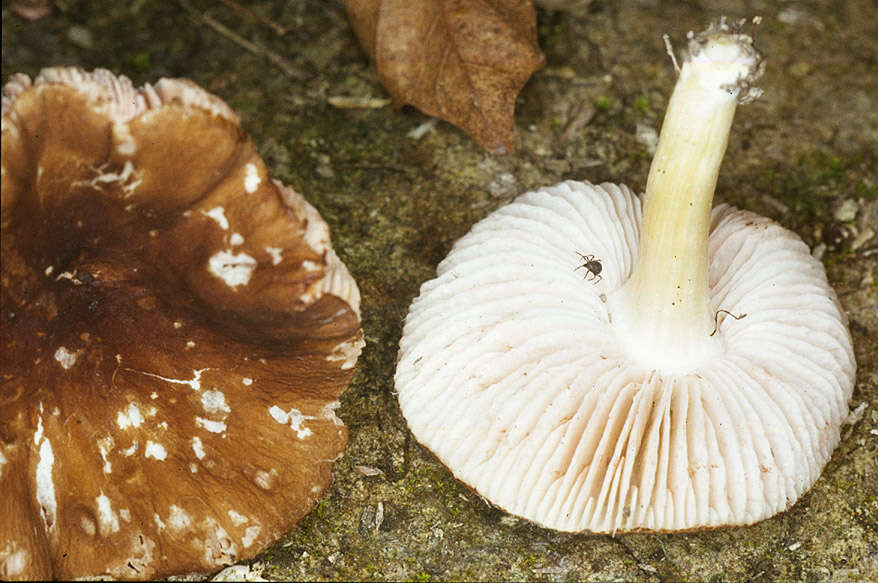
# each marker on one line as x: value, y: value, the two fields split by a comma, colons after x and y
x: 804, y: 154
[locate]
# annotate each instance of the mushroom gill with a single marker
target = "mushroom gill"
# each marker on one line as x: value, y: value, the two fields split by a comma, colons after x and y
x: 700, y: 381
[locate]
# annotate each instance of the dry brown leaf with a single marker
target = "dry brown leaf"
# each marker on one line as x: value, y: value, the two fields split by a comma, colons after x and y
x: 460, y: 60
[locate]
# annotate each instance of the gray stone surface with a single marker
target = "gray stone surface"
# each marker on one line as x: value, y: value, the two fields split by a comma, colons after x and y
x: 804, y: 154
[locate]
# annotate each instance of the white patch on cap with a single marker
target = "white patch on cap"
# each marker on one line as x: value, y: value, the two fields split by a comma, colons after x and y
x: 279, y: 414
x: 14, y: 559
x: 219, y: 550
x: 69, y: 275
x: 237, y: 518
x: 265, y: 480
x: 198, y: 447
x: 218, y: 214
x: 126, y: 179
x: 155, y: 450
x: 194, y: 383
x: 236, y: 239
x: 250, y: 534
x: 105, y: 446
x: 125, y: 144
x: 212, y: 426
x: 139, y: 556
x: 293, y: 417
x: 329, y: 413
x: 177, y: 325
x: 38, y: 434
x: 251, y: 178
x: 109, y: 522
x: 129, y: 417
x: 125, y: 514
x: 158, y: 522
x: 247, y: 381
x: 347, y: 352
x: 66, y: 358
x: 276, y: 254
x: 131, y: 450
x: 310, y: 265
x: 214, y: 401
x: 178, y: 519
x: 87, y: 525
x: 233, y: 268
x: 45, y: 494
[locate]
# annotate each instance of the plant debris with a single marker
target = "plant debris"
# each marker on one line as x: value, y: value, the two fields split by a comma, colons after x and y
x: 463, y: 61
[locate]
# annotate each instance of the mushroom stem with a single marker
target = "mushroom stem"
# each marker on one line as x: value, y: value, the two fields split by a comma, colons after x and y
x: 665, y: 305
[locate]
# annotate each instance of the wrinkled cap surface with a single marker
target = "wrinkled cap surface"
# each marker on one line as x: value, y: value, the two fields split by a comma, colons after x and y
x: 511, y: 373
x: 176, y: 331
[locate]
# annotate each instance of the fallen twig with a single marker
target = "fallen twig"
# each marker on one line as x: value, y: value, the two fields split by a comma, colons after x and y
x: 278, y: 29
x: 257, y: 49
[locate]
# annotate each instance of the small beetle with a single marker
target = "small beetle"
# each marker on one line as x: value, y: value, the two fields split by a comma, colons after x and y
x: 592, y: 266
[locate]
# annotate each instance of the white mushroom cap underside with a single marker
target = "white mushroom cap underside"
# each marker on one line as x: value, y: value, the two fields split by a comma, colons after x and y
x: 510, y: 372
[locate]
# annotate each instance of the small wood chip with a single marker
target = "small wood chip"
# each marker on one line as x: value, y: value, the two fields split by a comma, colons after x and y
x: 369, y: 471
x: 775, y: 204
x: 854, y: 416
x: 862, y: 238
x: 371, y: 519
x: 357, y: 102
x: 581, y: 118
x: 420, y: 131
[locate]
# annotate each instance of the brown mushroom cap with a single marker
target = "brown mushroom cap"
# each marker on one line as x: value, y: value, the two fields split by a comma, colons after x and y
x: 176, y: 331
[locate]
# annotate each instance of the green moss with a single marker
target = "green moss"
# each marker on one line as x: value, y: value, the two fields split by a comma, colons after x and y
x: 641, y: 104
x: 603, y: 103
x: 867, y: 192
x: 141, y: 61
x: 321, y: 509
x: 816, y: 181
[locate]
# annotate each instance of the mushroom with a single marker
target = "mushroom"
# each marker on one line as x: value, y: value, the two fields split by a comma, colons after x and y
x: 699, y: 382
x: 176, y: 332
